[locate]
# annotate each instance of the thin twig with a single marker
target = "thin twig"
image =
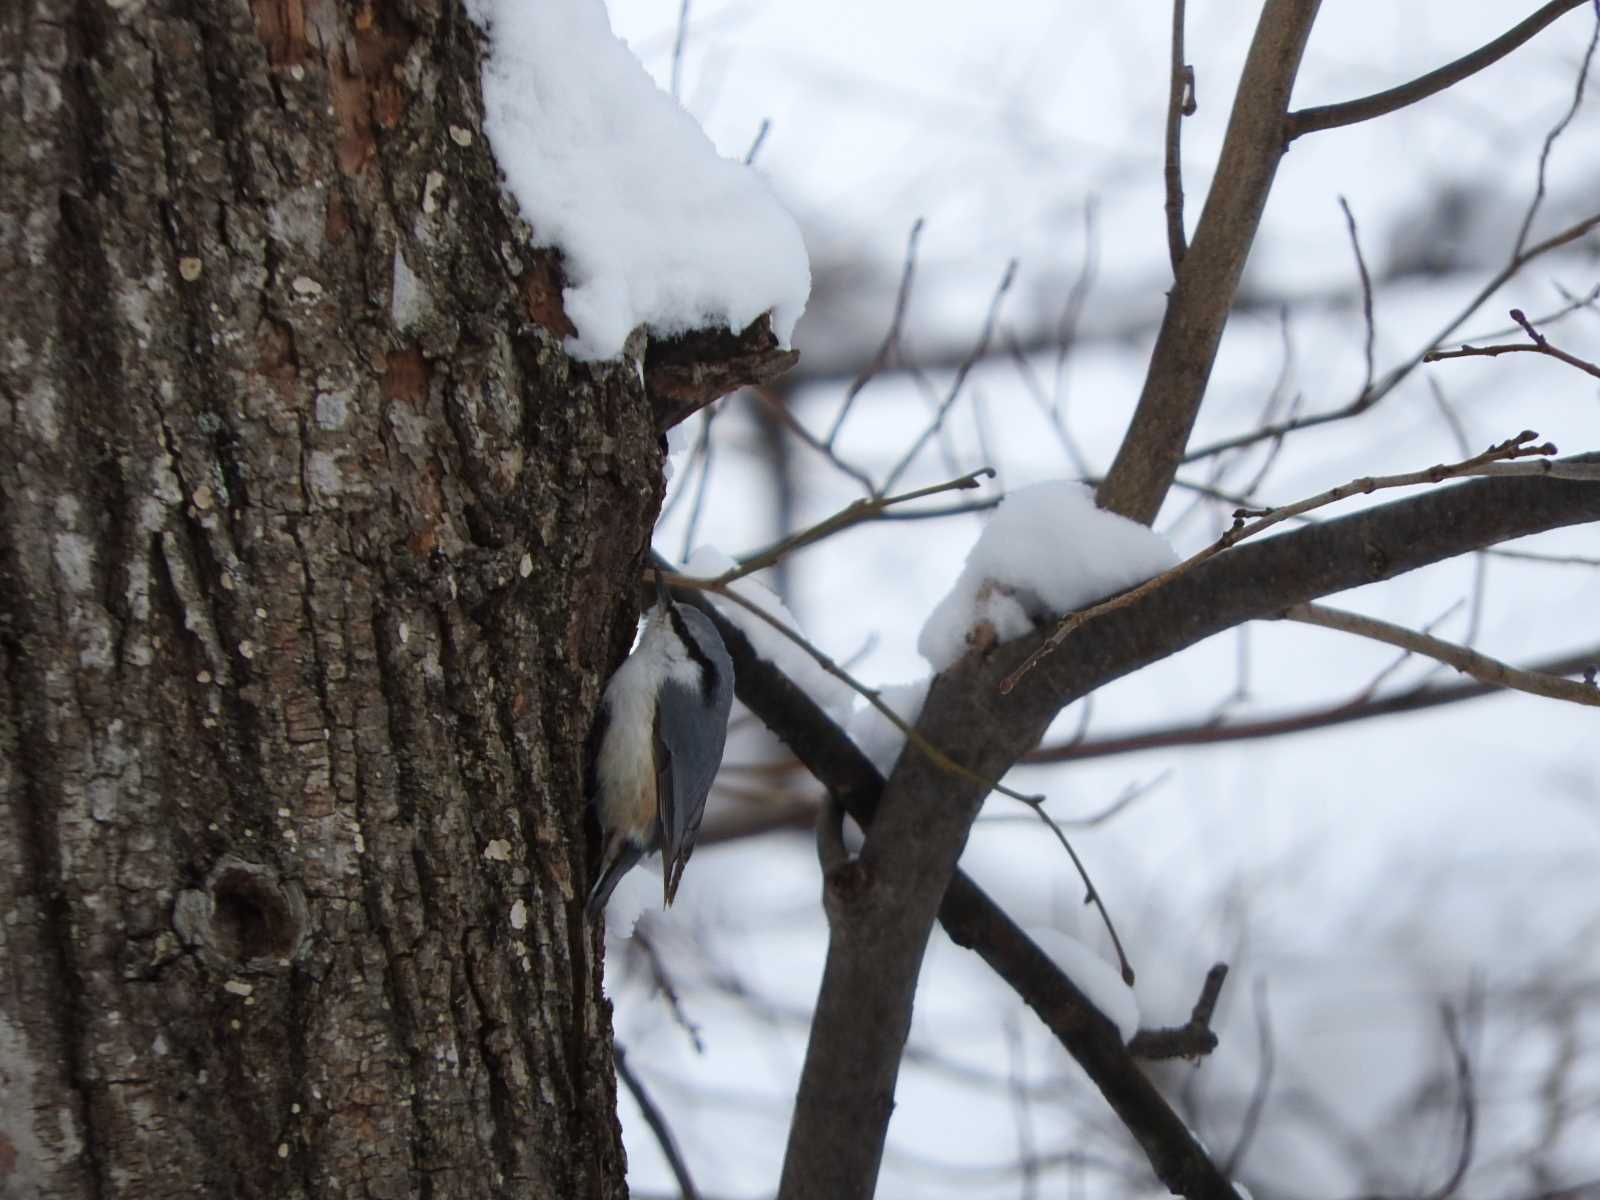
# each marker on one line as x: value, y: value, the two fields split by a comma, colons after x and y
x: 1457, y: 429
x: 1258, y: 1095
x: 755, y: 143
x: 1085, y: 716
x: 680, y: 492
x: 1539, y: 345
x: 1371, y: 690
x: 1211, y: 734
x: 857, y: 511
x: 1021, y: 1106
x: 1331, y: 116
x: 1067, y: 328
x: 891, y: 338
x: 1238, y: 499
x: 781, y: 413
x: 942, y: 511
x: 702, y: 454
x: 1129, y: 795
x: 1491, y: 461
x: 1480, y: 560
x: 663, y: 981
x: 1280, y: 390
x: 1400, y: 373
x: 1551, y: 137
x: 1468, y: 662
x: 1049, y: 407
x: 678, y: 43
x: 1573, y: 304
x: 1366, y: 292
x: 1467, y: 1098
x: 1091, y: 893
x: 1180, y: 103
x: 658, y: 1126
x: 1224, y: 464
x: 1205, y: 732
x: 1558, y: 560
x: 979, y: 350
x: 980, y: 429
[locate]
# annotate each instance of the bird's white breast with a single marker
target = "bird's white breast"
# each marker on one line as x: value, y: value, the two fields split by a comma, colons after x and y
x: 625, y: 768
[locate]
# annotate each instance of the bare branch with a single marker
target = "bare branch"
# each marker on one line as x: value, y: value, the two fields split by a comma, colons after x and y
x: 908, y: 863
x: 1572, y: 305
x: 1553, y: 135
x: 1540, y: 345
x: 1022, y: 1107
x: 1201, y: 297
x: 1193, y: 1039
x: 1468, y: 662
x: 1395, y: 376
x: 1209, y: 733
x: 663, y: 981
x: 1491, y: 461
x: 1092, y: 893
x: 678, y: 42
x: 1559, y: 560
x: 1331, y: 116
x: 1467, y: 1094
x: 1258, y: 1094
x: 866, y: 509
x: 979, y: 350
x: 891, y: 338
x: 658, y: 1126
x: 1067, y: 325
x: 702, y: 454
x: 1180, y: 103
x: 756, y: 142
x: 1130, y: 795
x: 780, y: 412
x: 1049, y: 407
x: 941, y: 511
x: 1366, y: 293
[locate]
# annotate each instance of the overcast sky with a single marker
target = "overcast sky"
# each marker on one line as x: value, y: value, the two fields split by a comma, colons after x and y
x: 1355, y: 878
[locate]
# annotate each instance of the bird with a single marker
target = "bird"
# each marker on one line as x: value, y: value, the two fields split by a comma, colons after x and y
x: 662, y: 726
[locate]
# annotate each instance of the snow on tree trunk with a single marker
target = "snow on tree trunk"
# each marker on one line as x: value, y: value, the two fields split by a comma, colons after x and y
x: 315, y: 550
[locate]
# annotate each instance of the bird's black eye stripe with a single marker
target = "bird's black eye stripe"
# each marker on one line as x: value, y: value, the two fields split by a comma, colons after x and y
x: 708, y: 672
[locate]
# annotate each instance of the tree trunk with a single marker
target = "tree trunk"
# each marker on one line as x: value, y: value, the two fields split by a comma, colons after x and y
x: 315, y: 551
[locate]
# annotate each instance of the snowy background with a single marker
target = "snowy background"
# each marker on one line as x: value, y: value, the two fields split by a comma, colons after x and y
x: 1356, y: 879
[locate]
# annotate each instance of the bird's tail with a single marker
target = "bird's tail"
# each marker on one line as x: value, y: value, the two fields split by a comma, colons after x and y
x: 619, y: 857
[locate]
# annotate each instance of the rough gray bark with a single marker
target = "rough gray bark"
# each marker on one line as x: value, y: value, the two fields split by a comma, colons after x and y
x: 315, y: 551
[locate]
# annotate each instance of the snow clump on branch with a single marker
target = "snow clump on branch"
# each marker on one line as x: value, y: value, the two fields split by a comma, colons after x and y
x: 656, y: 228
x: 1047, y: 551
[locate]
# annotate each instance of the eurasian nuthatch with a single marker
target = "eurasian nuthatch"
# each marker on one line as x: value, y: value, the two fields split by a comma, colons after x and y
x: 663, y: 722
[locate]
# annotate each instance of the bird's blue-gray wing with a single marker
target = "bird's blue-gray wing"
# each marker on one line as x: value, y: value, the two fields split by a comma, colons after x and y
x: 693, y: 734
